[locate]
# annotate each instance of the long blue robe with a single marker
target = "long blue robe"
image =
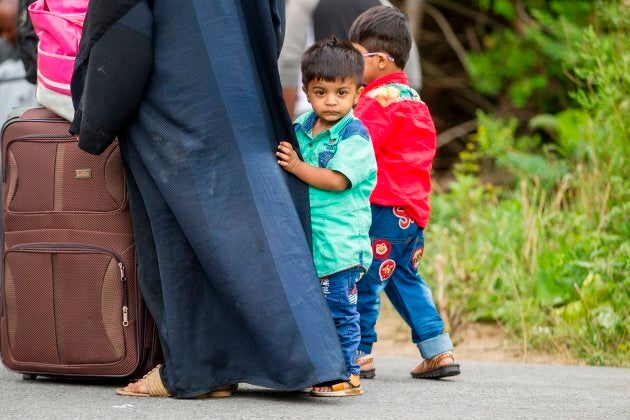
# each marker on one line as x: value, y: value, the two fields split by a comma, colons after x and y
x: 224, y: 261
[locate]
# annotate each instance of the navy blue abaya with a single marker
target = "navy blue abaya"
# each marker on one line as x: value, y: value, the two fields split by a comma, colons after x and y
x: 224, y: 262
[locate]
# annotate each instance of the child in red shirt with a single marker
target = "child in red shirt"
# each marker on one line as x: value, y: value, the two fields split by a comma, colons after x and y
x: 403, y: 137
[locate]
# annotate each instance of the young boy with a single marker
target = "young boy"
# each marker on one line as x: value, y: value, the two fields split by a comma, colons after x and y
x: 403, y: 137
x: 340, y: 168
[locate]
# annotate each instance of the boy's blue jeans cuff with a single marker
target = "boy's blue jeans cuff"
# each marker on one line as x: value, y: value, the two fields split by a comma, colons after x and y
x: 436, y: 345
x: 365, y: 348
x: 428, y: 348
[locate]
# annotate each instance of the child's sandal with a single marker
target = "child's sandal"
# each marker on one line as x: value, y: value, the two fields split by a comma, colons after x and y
x: 366, y: 359
x: 433, y: 370
x: 340, y: 389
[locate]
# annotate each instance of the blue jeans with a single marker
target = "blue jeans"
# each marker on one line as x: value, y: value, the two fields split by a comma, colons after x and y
x: 340, y: 291
x: 398, y: 244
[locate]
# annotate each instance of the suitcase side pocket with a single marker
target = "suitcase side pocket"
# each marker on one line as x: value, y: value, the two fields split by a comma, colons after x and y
x: 66, y: 305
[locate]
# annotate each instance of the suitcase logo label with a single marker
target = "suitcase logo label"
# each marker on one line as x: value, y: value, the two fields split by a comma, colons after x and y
x: 83, y: 173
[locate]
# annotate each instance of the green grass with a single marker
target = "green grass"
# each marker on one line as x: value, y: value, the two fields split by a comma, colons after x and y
x: 549, y: 266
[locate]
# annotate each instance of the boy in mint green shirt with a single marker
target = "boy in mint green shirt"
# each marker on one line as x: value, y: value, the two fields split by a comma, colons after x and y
x: 340, y: 167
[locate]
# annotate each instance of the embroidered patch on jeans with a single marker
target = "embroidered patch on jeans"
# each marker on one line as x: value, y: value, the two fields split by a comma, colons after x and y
x: 324, y: 283
x: 381, y: 249
x: 386, y: 269
x: 352, y: 297
x: 416, y: 257
x: 403, y: 219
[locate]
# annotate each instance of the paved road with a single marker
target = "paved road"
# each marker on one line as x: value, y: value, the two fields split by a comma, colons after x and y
x: 484, y: 390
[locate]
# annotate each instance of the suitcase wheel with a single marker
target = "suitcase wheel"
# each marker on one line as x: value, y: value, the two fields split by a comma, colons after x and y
x: 29, y: 377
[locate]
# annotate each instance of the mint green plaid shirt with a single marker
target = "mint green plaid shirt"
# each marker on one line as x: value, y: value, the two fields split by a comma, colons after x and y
x: 340, y: 219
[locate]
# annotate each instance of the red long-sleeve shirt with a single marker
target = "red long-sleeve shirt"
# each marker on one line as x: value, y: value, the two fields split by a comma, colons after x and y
x: 403, y: 136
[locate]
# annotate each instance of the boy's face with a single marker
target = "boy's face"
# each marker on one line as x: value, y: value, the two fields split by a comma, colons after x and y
x: 377, y: 64
x: 332, y: 100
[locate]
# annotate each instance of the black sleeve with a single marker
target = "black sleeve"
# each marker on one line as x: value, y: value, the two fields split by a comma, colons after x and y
x: 108, y: 84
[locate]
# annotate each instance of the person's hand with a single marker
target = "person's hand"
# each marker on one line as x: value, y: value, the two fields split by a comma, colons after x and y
x: 287, y: 157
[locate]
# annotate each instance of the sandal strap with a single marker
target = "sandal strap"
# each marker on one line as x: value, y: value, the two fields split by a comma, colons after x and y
x: 155, y: 386
x: 157, y: 367
x: 364, y: 360
x: 434, y: 362
x: 338, y: 387
x: 354, y: 381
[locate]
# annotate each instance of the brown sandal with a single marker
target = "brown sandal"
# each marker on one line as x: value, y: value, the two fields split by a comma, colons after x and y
x: 347, y: 388
x: 155, y: 388
x: 433, y: 370
x: 221, y: 392
x: 153, y: 382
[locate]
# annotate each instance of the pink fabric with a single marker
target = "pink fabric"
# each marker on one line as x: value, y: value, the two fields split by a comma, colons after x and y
x: 58, y: 24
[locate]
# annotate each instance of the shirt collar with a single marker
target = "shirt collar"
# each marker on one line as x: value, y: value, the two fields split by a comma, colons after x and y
x: 397, y: 77
x: 309, y: 122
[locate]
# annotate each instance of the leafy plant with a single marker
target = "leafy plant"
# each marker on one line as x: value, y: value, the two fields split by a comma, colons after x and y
x: 548, y: 254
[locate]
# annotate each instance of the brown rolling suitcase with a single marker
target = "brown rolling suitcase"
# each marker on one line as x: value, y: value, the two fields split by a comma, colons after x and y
x: 70, y: 304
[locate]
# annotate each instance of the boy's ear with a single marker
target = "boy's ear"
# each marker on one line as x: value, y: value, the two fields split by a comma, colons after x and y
x: 306, y: 93
x: 381, y: 62
x: 359, y: 92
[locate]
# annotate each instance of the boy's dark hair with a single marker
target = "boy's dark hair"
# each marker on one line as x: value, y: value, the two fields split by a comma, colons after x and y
x: 332, y: 59
x: 383, y: 28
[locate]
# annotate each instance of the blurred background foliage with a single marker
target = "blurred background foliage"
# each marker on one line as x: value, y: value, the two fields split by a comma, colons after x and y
x: 530, y: 225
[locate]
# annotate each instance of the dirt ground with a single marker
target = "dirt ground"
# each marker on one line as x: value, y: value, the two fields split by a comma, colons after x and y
x: 484, y: 342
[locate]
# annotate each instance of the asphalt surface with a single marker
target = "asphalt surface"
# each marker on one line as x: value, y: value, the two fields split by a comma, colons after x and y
x: 483, y: 390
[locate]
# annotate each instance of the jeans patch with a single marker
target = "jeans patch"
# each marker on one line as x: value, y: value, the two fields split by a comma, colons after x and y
x: 324, y: 283
x: 352, y: 297
x: 416, y: 257
x: 386, y: 269
x: 381, y: 249
x: 404, y: 221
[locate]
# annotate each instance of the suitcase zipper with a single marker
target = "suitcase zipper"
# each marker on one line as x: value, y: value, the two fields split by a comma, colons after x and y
x: 44, y: 120
x: 53, y: 247
x: 44, y: 137
x: 125, y: 308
